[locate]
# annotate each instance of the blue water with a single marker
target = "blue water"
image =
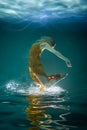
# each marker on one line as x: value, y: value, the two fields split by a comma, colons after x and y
x: 22, y: 105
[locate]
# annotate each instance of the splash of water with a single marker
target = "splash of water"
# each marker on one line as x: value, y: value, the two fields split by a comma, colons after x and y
x: 14, y: 86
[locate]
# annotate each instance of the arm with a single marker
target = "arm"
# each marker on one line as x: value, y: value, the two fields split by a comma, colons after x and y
x: 58, y: 54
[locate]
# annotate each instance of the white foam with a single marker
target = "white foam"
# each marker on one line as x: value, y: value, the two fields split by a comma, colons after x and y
x: 13, y: 86
x: 47, y: 91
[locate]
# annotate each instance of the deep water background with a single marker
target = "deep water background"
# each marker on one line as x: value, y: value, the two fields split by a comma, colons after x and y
x: 15, y: 42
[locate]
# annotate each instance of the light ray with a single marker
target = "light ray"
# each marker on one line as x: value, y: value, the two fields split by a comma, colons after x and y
x: 42, y: 9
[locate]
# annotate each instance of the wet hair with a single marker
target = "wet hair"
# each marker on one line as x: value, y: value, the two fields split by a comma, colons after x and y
x: 49, y: 40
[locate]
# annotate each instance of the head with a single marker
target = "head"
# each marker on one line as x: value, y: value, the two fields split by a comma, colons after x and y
x: 49, y: 40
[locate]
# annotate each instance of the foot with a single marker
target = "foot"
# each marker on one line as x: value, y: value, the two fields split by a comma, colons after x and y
x: 62, y: 76
x: 41, y: 89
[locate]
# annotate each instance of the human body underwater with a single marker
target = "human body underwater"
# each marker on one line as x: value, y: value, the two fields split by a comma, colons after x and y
x: 36, y: 68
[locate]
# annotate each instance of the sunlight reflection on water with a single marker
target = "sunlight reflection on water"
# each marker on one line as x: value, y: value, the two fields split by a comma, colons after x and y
x: 46, y: 110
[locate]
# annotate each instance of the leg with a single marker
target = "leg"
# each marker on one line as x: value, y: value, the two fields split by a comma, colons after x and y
x: 40, y: 80
x: 47, y: 81
x: 54, y: 79
x: 57, y: 76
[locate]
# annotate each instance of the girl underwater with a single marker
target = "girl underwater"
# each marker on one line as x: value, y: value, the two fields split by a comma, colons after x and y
x: 36, y: 68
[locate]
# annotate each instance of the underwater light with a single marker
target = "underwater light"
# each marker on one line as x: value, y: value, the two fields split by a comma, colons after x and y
x: 30, y: 10
x: 44, y: 16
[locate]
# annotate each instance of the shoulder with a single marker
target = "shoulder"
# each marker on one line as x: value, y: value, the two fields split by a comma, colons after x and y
x: 43, y: 45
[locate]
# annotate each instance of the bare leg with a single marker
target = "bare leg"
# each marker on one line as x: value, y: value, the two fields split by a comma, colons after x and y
x: 46, y: 81
x: 53, y: 79
x: 57, y: 76
x: 50, y: 80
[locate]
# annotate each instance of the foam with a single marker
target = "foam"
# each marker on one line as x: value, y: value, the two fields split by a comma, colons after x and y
x: 32, y: 89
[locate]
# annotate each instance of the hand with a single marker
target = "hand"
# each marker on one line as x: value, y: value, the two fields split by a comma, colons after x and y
x: 68, y: 63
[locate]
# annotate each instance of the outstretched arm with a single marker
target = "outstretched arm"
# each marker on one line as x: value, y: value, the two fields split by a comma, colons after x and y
x: 58, y: 54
